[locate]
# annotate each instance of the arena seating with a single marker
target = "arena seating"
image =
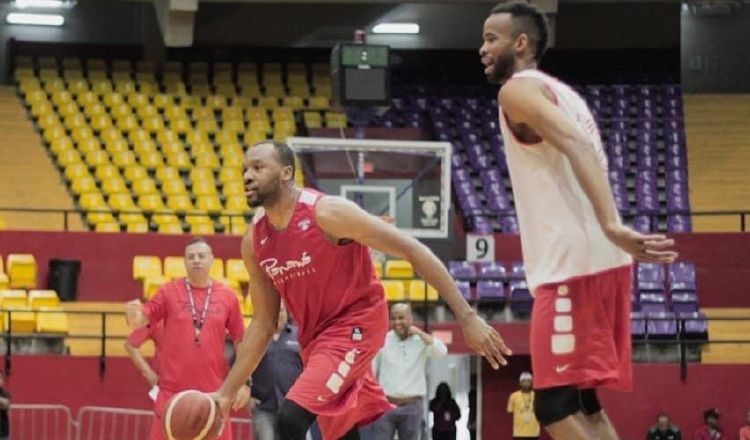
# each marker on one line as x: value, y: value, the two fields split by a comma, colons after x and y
x: 642, y: 128
x: 164, y: 152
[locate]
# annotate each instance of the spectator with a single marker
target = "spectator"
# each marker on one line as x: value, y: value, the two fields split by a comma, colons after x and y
x: 196, y: 313
x: 711, y: 429
x: 663, y: 430
x: 400, y: 369
x: 745, y: 430
x: 445, y: 414
x: 273, y: 378
x: 4, y: 407
x: 521, y: 405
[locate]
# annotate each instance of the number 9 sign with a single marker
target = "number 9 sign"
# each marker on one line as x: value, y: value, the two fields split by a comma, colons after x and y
x: 480, y: 247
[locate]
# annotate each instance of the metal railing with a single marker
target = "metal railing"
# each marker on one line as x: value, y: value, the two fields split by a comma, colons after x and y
x: 55, y: 422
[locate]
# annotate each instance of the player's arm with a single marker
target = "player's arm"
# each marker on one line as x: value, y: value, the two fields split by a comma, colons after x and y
x: 340, y: 218
x: 511, y: 406
x: 139, y: 315
x: 524, y: 102
x: 253, y: 346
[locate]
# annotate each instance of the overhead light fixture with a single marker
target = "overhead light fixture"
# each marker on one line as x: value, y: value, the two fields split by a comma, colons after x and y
x: 35, y: 19
x: 49, y: 4
x: 396, y: 28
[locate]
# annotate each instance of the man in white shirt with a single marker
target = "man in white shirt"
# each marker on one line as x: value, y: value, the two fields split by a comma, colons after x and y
x: 400, y: 369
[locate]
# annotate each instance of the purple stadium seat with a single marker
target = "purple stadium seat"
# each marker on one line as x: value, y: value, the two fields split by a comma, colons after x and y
x: 521, y: 299
x: 470, y: 204
x: 651, y: 272
x: 676, y: 176
x: 678, y: 204
x: 694, y: 324
x: 621, y: 124
x: 684, y: 302
x: 517, y: 270
x: 460, y: 175
x: 621, y: 201
x: 661, y: 325
x: 509, y: 225
x: 646, y: 203
x: 481, y: 225
x: 617, y: 176
x: 647, y: 162
x: 681, y: 272
x: 620, y: 163
x: 652, y: 302
x: 637, y: 325
x: 462, y: 270
x: 465, y: 288
x: 490, y: 291
x: 642, y: 223
x: 617, y: 149
x: 491, y: 270
x: 490, y: 176
x: 458, y: 160
x: 678, y: 223
x: 465, y: 188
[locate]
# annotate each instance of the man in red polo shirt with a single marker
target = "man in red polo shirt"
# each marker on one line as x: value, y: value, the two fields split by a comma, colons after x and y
x: 196, y: 313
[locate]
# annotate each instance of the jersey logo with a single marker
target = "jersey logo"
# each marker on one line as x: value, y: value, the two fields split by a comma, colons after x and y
x: 304, y: 224
x: 290, y: 268
x: 263, y: 240
x: 561, y: 368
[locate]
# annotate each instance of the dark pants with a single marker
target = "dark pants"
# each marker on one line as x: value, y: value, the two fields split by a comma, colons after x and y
x: 406, y: 420
x: 443, y: 435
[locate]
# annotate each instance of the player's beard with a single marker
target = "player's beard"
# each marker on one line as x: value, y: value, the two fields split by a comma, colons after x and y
x: 502, y: 67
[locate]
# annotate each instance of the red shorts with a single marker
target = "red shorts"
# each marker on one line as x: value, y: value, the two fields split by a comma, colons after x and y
x: 157, y: 425
x: 580, y: 332
x: 338, y: 386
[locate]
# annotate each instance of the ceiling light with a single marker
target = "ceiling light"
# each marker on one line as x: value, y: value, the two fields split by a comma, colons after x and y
x: 23, y: 4
x: 396, y: 28
x: 35, y: 19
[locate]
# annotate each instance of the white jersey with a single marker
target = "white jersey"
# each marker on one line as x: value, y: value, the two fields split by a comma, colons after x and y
x: 560, y: 235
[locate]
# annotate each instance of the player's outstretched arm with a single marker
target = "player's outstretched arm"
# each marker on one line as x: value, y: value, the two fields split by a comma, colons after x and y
x: 340, y: 218
x: 523, y: 100
x: 253, y: 346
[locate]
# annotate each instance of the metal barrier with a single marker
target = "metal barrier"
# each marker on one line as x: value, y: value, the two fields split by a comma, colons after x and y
x: 101, y: 423
x: 41, y: 422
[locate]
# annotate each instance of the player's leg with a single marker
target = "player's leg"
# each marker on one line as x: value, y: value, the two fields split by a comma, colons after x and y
x: 265, y: 425
x: 294, y: 421
x: 558, y: 410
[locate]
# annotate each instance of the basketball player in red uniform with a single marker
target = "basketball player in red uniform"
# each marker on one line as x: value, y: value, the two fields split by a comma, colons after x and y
x: 312, y: 250
x: 577, y: 252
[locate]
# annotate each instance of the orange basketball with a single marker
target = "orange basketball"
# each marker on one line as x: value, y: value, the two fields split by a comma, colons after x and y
x: 191, y: 415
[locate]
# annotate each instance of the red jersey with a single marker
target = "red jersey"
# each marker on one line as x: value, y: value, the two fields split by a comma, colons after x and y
x: 331, y: 290
x: 184, y: 364
x: 153, y: 332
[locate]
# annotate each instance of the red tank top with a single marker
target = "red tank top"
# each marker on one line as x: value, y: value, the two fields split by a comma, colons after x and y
x: 331, y: 290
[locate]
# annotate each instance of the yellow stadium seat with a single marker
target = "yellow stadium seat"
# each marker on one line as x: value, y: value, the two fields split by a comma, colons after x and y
x: 335, y: 120
x: 166, y: 136
x: 165, y: 216
x: 217, y: 269
x: 417, y: 290
x: 123, y: 159
x: 236, y: 270
x: 162, y: 101
x: 145, y: 266
x: 22, y: 271
x: 318, y: 103
x: 144, y: 186
x: 152, y: 160
x: 22, y: 319
x: 173, y: 187
x: 135, y: 172
x: 236, y: 226
x: 150, y: 202
x: 43, y: 298
x: 100, y: 217
x: 210, y: 203
x: 109, y: 226
x: 114, y: 185
x: 107, y: 171
x: 247, y: 306
x: 378, y: 266
x: 260, y: 125
x: 233, y: 188
x: 180, y: 125
x: 153, y: 124
x: 204, y: 187
x: 76, y: 171
x: 198, y: 217
x: 132, y: 215
x: 92, y: 200
x: 394, y: 290
x: 201, y: 174
x: 207, y: 160
x: 83, y: 184
x: 111, y: 134
x: 52, y: 320
x: 174, y: 267
x: 53, y: 133
x: 121, y: 201
x: 230, y: 174
x: 152, y: 284
x: 68, y: 157
x: 179, y: 202
x: 13, y: 298
x: 4, y: 281
x: 137, y: 228
x: 237, y: 203
x: 400, y: 269
x: 180, y: 160
x: 170, y: 228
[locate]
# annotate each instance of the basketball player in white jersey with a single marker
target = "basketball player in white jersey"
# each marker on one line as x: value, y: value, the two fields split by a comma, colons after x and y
x: 577, y: 252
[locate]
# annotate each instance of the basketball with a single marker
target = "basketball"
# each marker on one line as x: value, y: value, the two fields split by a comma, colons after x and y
x: 191, y: 415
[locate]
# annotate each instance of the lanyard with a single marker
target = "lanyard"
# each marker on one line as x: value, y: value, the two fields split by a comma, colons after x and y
x: 198, y: 323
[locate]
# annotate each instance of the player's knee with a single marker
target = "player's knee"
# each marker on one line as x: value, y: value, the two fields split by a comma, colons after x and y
x: 554, y: 404
x: 590, y: 402
x: 294, y: 421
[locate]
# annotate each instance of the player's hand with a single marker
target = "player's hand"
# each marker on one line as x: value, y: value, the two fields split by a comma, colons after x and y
x: 484, y: 340
x: 134, y: 313
x: 414, y: 330
x: 241, y: 398
x: 253, y: 403
x: 653, y: 248
x: 224, y: 403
